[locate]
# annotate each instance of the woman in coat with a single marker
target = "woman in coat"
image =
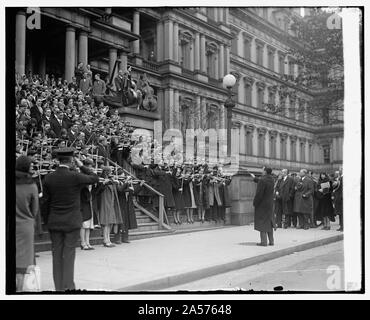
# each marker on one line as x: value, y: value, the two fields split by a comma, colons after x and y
x: 188, y: 194
x: 109, y: 209
x: 86, y: 205
x: 177, y: 194
x: 27, y: 207
x: 325, y: 210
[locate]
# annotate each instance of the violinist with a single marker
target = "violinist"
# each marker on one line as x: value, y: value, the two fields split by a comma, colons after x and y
x: 177, y: 190
x: 199, y: 193
x: 87, y: 211
x: 188, y: 194
x: 108, y: 205
x: 214, y: 195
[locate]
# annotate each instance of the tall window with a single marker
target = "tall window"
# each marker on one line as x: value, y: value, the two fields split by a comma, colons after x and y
x: 247, y: 48
x: 261, y: 144
x: 326, y: 150
x: 302, y: 152
x: 248, y: 94
x: 310, y: 153
x: 325, y: 116
x: 301, y: 111
x: 249, y: 141
x: 260, y: 94
x: 211, y: 60
x: 281, y: 64
x: 292, y: 108
x: 283, y: 142
x: 186, y: 41
x: 291, y: 68
x: 273, y: 146
x: 271, y: 97
x: 271, y: 59
x: 259, y: 49
x: 293, y: 150
x: 234, y: 44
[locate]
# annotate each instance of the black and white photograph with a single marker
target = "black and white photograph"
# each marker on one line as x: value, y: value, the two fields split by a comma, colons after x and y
x: 171, y: 149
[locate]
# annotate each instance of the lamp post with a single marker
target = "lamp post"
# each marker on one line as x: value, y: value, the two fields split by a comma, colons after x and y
x: 228, y: 83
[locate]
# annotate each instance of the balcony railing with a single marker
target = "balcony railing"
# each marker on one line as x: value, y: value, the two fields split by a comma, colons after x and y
x: 151, y: 65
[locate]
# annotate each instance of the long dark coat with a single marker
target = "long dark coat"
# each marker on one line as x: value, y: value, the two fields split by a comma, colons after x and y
x: 198, y: 190
x: 325, y: 205
x: 303, y: 202
x: 164, y: 186
x: 286, y: 190
x: 86, y: 204
x: 62, y: 196
x: 27, y: 207
x: 337, y: 196
x: 263, y: 204
x: 125, y: 196
x: 186, y: 193
x: 278, y: 205
x: 177, y: 195
x: 224, y: 193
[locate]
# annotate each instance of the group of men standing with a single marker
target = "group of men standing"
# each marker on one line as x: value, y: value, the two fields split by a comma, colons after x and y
x: 296, y: 202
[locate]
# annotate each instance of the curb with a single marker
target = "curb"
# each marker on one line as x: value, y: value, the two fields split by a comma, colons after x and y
x: 178, y: 279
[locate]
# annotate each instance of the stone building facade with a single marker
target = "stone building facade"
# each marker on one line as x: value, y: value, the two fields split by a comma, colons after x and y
x: 185, y: 53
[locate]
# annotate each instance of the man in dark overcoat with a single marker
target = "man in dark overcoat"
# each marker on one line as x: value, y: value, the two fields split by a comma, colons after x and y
x: 303, y: 203
x: 263, y: 203
x: 62, y: 215
x: 287, y: 197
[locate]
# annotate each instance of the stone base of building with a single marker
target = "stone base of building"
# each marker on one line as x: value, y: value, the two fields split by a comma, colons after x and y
x: 242, y: 191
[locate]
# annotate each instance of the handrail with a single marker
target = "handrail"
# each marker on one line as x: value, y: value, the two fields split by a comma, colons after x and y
x: 162, y: 213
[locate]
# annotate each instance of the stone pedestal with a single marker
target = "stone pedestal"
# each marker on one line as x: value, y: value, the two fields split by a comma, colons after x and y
x: 139, y: 118
x: 242, y: 191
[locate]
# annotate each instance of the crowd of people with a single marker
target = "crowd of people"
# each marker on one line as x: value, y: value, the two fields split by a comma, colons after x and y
x: 52, y: 114
x: 325, y: 197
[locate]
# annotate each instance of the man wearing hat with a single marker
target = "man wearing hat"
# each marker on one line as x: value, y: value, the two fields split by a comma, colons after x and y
x: 263, y: 207
x: 62, y: 214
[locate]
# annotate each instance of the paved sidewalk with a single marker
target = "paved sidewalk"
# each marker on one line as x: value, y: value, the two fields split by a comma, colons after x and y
x: 158, y: 263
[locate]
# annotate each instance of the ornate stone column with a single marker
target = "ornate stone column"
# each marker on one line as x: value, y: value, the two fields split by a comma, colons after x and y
x: 176, y: 42
x: 197, y: 52
x: 136, y: 30
x: 70, y: 53
x: 255, y: 141
x: 20, y: 42
x: 240, y: 44
x: 168, y: 36
x: 176, y: 111
x: 253, y: 50
x: 159, y: 39
x: 83, y: 47
x: 221, y: 68
x: 276, y: 61
x: 203, y: 63
x: 227, y: 71
x: 278, y: 146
